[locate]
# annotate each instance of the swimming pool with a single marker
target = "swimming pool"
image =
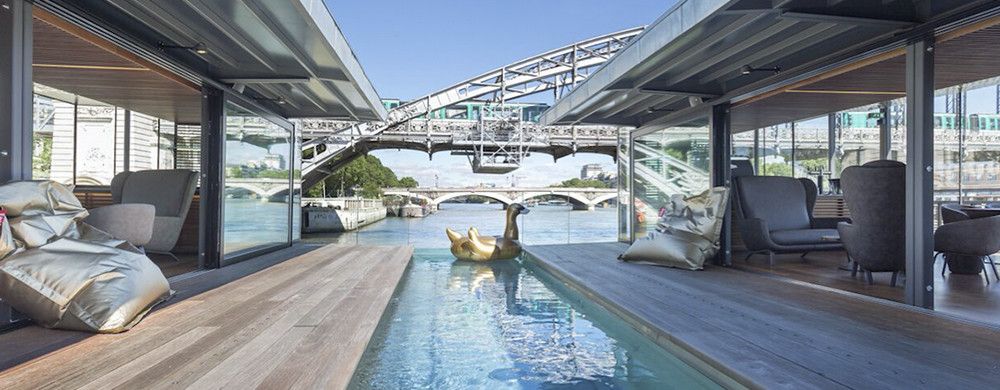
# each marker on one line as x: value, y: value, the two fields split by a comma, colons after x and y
x: 508, y: 324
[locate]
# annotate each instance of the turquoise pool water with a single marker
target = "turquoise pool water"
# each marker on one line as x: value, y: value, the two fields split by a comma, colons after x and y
x: 461, y: 325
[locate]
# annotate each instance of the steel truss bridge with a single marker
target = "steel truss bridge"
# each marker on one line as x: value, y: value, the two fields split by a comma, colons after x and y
x: 495, y: 143
x: 498, y: 140
x: 580, y: 198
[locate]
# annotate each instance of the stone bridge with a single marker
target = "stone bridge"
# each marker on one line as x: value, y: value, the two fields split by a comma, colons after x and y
x: 580, y: 198
x: 260, y: 187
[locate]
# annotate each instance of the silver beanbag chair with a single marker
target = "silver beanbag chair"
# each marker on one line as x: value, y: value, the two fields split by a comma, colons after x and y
x: 688, y: 233
x: 63, y: 273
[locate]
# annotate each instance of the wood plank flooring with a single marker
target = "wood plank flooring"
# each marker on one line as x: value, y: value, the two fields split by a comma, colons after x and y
x: 771, y: 332
x: 966, y: 296
x: 301, y: 321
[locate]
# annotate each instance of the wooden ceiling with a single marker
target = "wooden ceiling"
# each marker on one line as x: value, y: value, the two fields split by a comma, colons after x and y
x: 72, y: 60
x: 961, y: 57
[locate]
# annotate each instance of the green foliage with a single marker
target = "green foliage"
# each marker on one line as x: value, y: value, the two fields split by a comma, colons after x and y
x: 580, y: 183
x: 814, y: 164
x: 41, y: 163
x: 364, y: 176
x: 315, y: 192
x: 678, y: 154
x: 777, y: 169
x: 273, y: 174
x: 251, y: 173
x: 408, y: 182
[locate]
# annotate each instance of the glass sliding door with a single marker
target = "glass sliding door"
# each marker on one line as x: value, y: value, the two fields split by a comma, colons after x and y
x: 625, y: 213
x: 258, y: 174
x: 95, y: 144
x: 668, y: 162
x: 296, y: 185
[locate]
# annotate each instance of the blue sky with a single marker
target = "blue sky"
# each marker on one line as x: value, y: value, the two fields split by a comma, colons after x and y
x: 411, y: 48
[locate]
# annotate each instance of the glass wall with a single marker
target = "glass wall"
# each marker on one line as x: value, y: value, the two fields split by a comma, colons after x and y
x: 83, y: 142
x: 966, y: 143
x: 167, y: 141
x: 802, y: 149
x: 187, y: 147
x: 857, y: 137
x: 625, y: 209
x: 296, y: 162
x: 52, y: 150
x: 812, y: 151
x: 143, y: 147
x: 673, y: 161
x: 981, y: 144
x: 258, y: 174
x: 777, y: 157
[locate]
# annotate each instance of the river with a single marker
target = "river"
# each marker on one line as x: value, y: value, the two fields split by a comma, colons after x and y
x: 542, y: 225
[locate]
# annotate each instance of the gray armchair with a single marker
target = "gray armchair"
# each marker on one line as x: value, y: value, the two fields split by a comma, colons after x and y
x: 960, y: 235
x: 776, y: 216
x: 170, y: 193
x: 952, y: 212
x: 875, y: 238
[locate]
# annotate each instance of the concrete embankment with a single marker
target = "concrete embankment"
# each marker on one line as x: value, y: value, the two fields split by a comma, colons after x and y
x: 340, y: 214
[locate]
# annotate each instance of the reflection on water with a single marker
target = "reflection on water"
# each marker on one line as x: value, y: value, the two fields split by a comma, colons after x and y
x: 544, y: 225
x: 460, y: 325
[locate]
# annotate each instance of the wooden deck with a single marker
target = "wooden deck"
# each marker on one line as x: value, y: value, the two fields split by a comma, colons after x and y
x: 297, y: 318
x: 966, y: 296
x: 772, y: 332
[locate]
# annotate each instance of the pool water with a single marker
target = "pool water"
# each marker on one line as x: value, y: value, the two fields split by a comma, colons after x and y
x: 507, y: 324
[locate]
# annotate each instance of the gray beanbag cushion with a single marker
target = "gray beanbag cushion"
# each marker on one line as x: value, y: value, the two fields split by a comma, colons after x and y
x: 64, y: 274
x: 687, y: 235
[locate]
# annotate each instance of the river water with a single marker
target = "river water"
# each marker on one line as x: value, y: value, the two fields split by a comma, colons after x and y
x: 544, y: 224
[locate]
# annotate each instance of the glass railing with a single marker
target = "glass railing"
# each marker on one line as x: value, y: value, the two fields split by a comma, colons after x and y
x: 551, y: 220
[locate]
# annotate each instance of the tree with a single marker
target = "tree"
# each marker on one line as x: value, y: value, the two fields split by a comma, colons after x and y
x: 408, y: 182
x: 364, y: 176
x: 777, y: 169
x: 41, y: 164
x: 580, y: 183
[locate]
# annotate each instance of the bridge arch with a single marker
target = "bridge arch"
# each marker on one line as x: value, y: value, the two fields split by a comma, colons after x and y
x: 263, y: 192
x: 604, y: 198
x: 492, y: 195
x: 409, y: 194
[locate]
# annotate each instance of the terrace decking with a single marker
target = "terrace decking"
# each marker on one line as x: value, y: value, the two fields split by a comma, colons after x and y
x: 772, y: 332
x: 297, y: 318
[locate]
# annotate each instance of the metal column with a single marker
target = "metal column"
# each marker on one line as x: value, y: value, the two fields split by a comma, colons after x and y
x: 16, y: 125
x: 721, y: 136
x: 831, y: 143
x: 884, y: 131
x: 920, y: 173
x: 213, y: 140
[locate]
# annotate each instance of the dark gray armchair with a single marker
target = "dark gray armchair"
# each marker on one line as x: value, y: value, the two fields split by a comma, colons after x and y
x: 952, y: 212
x: 875, y: 238
x: 776, y: 216
x: 964, y: 236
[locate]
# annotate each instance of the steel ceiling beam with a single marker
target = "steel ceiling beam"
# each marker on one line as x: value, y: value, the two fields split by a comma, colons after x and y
x: 702, y: 46
x: 304, y: 60
x: 851, y: 20
x: 793, y: 42
x: 726, y: 55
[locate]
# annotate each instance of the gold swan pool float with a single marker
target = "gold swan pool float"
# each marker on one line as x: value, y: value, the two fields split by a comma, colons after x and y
x: 475, y: 247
